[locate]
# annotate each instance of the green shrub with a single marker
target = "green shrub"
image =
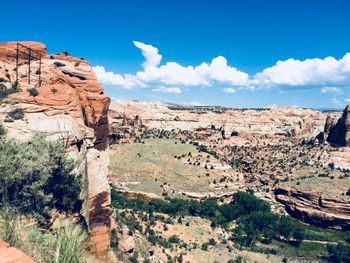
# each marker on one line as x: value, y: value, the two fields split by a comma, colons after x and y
x: 174, y: 239
x: 339, y: 253
x: 36, y: 177
x: 58, y: 64
x: 33, y: 92
x: 16, y: 114
x: 2, y: 130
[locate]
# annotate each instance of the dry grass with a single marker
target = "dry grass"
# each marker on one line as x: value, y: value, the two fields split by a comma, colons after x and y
x: 68, y: 244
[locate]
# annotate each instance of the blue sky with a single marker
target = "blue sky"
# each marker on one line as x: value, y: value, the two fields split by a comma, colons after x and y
x: 200, y: 52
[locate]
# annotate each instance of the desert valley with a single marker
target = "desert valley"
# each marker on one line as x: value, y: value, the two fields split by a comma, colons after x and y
x: 87, y: 179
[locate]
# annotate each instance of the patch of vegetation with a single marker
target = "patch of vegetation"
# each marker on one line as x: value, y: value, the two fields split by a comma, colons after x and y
x: 36, y: 177
x: 4, y: 92
x: 59, y: 64
x: 256, y: 221
x: 2, y: 130
x: 68, y: 244
x: 16, y: 114
x: 339, y: 253
x: 33, y: 91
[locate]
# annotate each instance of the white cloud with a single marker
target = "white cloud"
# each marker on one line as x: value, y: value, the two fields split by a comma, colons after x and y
x: 163, y: 89
x: 347, y: 100
x: 114, y: 79
x: 329, y: 72
x: 310, y: 72
x: 336, y: 102
x: 331, y: 90
x: 150, y: 53
x: 229, y: 90
x: 217, y: 72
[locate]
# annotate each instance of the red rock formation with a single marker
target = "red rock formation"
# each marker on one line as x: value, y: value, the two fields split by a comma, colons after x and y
x: 311, y: 207
x: 10, y: 254
x: 70, y: 100
x: 72, y: 87
x: 338, y: 132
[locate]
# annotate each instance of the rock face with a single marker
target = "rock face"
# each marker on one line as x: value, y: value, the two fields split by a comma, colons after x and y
x: 70, y: 106
x: 311, y: 207
x: 338, y: 131
x: 97, y: 202
x: 10, y: 254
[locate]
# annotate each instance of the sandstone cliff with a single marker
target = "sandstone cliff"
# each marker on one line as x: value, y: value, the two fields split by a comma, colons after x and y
x: 338, y: 131
x: 69, y: 105
x: 312, y: 207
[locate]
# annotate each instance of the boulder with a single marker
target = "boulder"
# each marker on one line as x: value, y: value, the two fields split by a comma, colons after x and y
x: 127, y: 244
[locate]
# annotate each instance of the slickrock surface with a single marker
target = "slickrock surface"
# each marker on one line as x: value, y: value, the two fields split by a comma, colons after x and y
x: 338, y: 131
x: 70, y: 106
x: 312, y: 207
x: 10, y: 254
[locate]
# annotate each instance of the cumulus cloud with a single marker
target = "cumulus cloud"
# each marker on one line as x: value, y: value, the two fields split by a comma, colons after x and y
x: 310, y: 72
x: 114, y: 79
x: 229, y: 90
x: 169, y: 74
x: 330, y: 73
x: 331, y: 90
x: 163, y: 89
x: 150, y: 53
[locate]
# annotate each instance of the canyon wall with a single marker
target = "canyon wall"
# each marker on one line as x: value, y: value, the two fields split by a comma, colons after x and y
x: 337, y: 130
x: 314, y: 208
x: 70, y: 106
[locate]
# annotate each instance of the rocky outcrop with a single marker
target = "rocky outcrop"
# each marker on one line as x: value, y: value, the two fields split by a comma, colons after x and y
x: 10, y: 254
x: 68, y: 86
x: 313, y: 208
x: 70, y: 106
x: 338, y: 131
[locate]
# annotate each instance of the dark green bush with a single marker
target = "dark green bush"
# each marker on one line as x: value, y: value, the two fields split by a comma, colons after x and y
x: 35, y: 177
x: 33, y: 92
x: 58, y: 64
x: 16, y: 114
x: 2, y: 130
x: 339, y: 253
